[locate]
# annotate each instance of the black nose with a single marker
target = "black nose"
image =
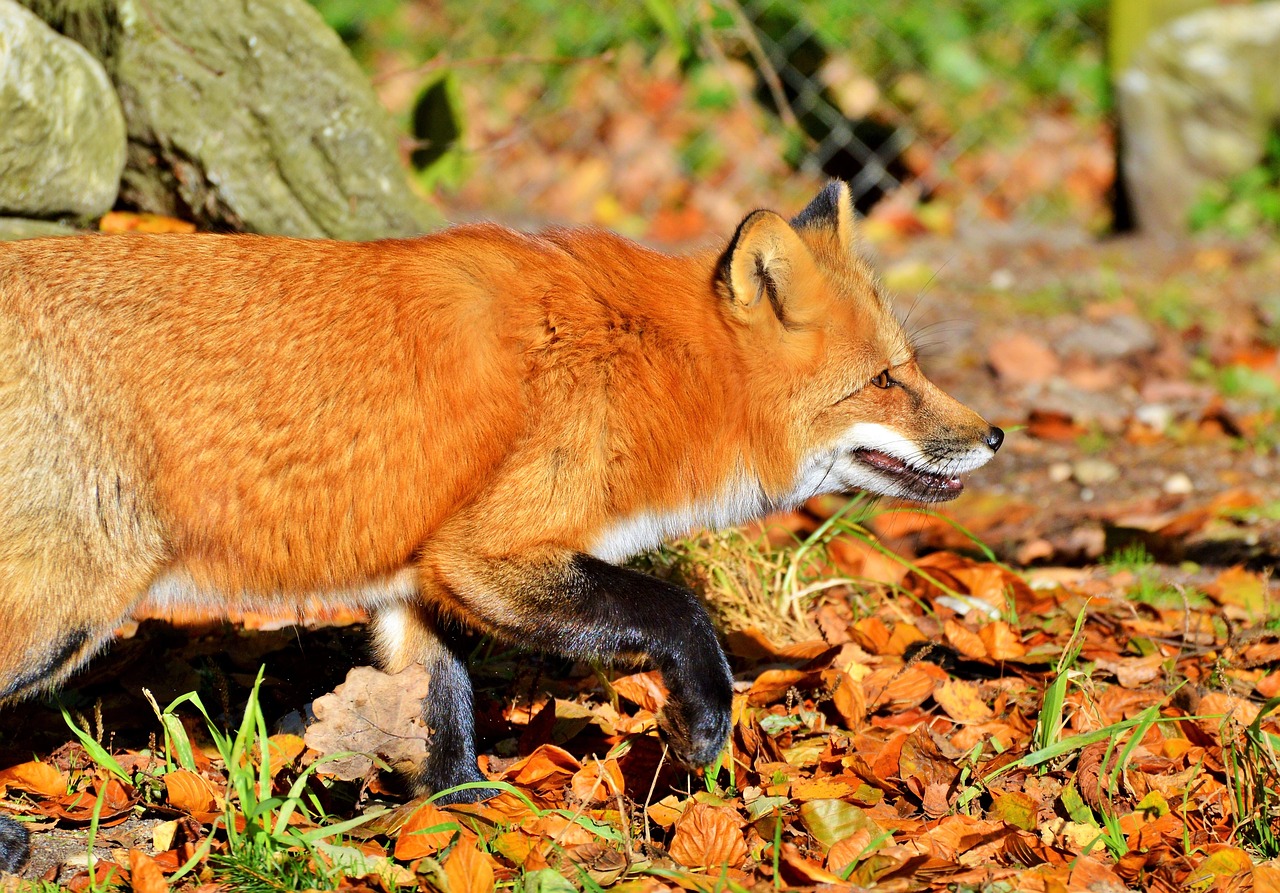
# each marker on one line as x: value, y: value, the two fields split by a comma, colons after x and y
x: 994, y: 438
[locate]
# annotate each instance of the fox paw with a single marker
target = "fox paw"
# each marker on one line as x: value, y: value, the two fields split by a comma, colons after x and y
x: 15, y: 846
x: 433, y: 779
x: 695, y: 733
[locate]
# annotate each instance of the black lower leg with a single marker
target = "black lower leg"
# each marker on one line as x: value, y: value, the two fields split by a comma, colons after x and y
x: 15, y: 845
x: 581, y: 607
x: 450, y: 717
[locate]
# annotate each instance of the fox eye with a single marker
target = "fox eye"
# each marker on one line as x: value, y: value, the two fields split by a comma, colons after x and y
x: 883, y: 380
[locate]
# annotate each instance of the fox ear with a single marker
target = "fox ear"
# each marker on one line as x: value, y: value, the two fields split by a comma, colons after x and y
x: 831, y: 210
x: 765, y: 268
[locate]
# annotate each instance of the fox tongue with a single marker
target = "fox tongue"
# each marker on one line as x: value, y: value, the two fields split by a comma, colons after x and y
x: 897, y: 467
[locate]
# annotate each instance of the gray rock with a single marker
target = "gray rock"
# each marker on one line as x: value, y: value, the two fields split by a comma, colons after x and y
x: 62, y: 143
x: 1110, y: 339
x: 1092, y: 471
x: 13, y: 228
x: 248, y: 115
x: 1196, y: 106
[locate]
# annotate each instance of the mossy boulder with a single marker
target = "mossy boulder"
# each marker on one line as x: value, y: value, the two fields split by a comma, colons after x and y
x: 62, y: 136
x: 249, y: 116
x: 1197, y: 104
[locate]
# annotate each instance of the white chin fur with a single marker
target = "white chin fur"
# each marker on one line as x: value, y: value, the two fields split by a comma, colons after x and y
x: 834, y: 468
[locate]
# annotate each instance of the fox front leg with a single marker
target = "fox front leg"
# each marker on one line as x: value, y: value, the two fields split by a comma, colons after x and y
x: 572, y: 604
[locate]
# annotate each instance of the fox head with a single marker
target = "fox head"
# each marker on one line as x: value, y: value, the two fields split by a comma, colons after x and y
x: 823, y: 342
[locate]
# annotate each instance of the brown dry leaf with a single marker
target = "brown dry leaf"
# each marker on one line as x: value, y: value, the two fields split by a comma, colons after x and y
x: 36, y: 778
x: 145, y: 875
x: 805, y: 789
x: 1023, y: 357
x: 189, y: 792
x: 597, y: 781
x: 848, y: 850
x: 1048, y: 424
x: 962, y: 701
x: 1135, y: 672
x: 643, y: 689
x: 1266, y: 877
x: 927, y: 772
x: 771, y: 685
x: 1002, y: 641
x: 117, y: 804
x: 708, y: 837
x: 372, y: 713
x: 667, y: 811
x: 469, y: 869
x: 115, y: 222
x: 798, y: 871
x: 1217, y: 703
x: 850, y: 700
x: 964, y: 640
x: 547, y: 767
x: 284, y: 749
x: 1241, y: 588
x: 560, y: 828
x: 602, y: 863
x: 899, y: 688
x: 429, y: 830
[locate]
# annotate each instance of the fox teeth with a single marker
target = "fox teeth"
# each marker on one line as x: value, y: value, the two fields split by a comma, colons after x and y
x: 909, y: 474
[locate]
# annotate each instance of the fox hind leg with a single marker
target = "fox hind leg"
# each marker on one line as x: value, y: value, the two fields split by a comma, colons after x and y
x: 408, y: 633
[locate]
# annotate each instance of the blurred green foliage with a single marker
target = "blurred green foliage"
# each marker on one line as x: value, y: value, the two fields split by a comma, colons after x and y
x: 1037, y: 47
x: 1248, y: 202
x: 1028, y: 48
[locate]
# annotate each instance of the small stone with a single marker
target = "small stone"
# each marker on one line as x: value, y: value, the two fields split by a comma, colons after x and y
x: 1155, y: 416
x: 1090, y: 472
x: 1059, y: 472
x: 1178, y: 484
x: 1112, y: 338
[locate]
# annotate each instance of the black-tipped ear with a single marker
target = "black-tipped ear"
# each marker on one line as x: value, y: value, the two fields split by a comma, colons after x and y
x: 831, y: 210
x: 763, y: 266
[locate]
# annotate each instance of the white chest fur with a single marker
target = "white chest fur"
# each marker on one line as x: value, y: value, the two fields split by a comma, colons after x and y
x: 740, y: 500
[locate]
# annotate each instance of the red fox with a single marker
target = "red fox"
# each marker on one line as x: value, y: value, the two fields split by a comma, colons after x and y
x: 464, y: 430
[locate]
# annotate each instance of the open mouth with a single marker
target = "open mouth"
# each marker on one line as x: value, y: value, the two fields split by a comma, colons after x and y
x: 915, y: 483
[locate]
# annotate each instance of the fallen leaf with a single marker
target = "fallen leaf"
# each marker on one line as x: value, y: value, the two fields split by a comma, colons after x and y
x: 189, y: 792
x: 115, y: 222
x: 1223, y: 862
x: 1001, y: 641
x: 830, y: 821
x: 1016, y: 808
x: 36, y: 778
x: 144, y: 875
x: 643, y: 689
x: 429, y: 830
x: 468, y: 868
x: 799, y: 871
x: 708, y: 837
x: 548, y: 766
x: 965, y: 640
x: 597, y: 781
x: 1023, y: 358
x: 962, y: 701
x: 372, y: 713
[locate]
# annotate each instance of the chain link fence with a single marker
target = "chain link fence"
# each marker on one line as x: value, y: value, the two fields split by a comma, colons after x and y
x: 665, y: 118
